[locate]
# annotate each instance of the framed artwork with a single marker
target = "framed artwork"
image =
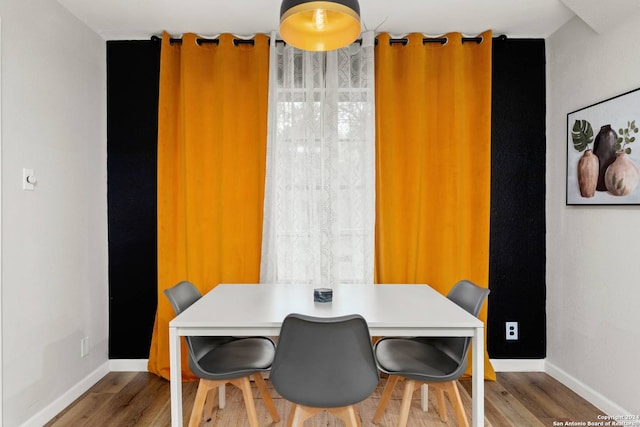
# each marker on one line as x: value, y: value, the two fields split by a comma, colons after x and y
x: 602, y: 156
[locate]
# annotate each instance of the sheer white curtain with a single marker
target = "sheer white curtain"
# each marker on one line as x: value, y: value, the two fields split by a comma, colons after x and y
x: 320, y: 187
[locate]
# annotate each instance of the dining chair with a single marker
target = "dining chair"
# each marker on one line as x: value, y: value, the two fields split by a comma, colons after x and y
x: 324, y: 364
x: 437, y: 362
x: 224, y: 360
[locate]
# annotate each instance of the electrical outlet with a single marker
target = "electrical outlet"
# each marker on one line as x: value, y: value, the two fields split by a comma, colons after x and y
x: 512, y: 331
x: 84, y: 347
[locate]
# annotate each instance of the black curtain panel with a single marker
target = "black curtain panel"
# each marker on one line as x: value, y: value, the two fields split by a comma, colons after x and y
x: 518, y: 147
x: 133, y: 69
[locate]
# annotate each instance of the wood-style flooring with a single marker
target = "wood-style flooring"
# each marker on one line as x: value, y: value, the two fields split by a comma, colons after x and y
x: 127, y: 399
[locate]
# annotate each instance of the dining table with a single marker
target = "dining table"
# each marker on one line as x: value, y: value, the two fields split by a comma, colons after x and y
x: 406, y: 310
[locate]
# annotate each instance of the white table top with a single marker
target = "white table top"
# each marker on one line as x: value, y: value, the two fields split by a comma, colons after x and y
x: 252, y: 309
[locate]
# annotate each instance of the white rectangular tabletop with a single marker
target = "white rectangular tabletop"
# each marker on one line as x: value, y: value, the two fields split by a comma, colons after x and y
x: 390, y: 310
x: 243, y: 309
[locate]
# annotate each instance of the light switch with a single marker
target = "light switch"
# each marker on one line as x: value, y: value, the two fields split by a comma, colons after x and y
x: 28, y: 179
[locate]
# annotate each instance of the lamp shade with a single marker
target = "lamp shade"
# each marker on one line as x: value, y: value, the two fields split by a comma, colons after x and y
x: 319, y: 25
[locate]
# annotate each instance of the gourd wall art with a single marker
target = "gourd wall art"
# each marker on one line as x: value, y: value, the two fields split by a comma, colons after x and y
x: 602, y: 154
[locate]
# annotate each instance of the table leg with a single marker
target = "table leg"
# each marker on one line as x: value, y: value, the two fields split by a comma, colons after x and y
x: 222, y: 396
x: 477, y: 379
x: 424, y: 399
x: 175, y: 373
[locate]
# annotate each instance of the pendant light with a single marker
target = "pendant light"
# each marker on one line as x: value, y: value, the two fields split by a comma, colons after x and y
x: 319, y: 25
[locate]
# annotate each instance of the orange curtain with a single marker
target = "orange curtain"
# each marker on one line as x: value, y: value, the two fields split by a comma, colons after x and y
x: 433, y: 140
x: 212, y: 130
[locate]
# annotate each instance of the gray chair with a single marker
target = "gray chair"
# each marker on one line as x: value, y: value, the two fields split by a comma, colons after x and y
x: 438, y: 362
x: 224, y: 360
x: 324, y: 364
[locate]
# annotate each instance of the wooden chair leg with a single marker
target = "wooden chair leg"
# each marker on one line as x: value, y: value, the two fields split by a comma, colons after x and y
x: 245, y: 385
x: 209, y: 403
x: 442, y: 408
x: 198, y: 404
x: 266, y: 397
x: 384, y: 399
x: 348, y: 414
x: 300, y: 413
x: 452, y: 391
x: 409, y: 388
x: 456, y: 402
x: 292, y: 414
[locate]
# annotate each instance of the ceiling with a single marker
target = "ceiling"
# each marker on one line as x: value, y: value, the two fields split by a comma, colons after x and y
x: 140, y: 19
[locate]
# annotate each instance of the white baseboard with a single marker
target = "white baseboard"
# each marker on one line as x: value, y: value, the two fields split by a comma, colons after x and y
x: 58, y: 405
x: 518, y: 365
x: 596, y: 399
x: 128, y: 365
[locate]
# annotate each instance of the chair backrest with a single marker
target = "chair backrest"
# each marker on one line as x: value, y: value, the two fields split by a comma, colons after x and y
x: 470, y: 297
x: 181, y: 297
x: 324, y: 362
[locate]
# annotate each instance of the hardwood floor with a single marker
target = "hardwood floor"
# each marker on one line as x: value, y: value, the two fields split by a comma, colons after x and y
x: 127, y: 399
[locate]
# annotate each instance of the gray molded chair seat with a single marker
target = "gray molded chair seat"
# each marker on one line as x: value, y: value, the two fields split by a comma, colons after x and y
x: 438, y: 362
x: 224, y: 360
x: 233, y: 358
x: 324, y: 364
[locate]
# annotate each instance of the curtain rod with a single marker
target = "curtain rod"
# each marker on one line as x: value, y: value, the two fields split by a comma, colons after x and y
x: 402, y: 40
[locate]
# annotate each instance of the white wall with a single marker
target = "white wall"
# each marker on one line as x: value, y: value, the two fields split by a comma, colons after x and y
x: 54, y: 239
x: 593, y: 268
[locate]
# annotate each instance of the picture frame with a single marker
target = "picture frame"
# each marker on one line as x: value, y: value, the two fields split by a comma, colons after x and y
x: 603, y: 156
